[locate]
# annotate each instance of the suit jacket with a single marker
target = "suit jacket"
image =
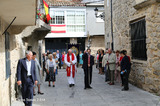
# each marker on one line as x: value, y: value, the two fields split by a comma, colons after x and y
x: 22, y: 71
x: 125, y: 63
x: 111, y: 60
x: 85, y: 61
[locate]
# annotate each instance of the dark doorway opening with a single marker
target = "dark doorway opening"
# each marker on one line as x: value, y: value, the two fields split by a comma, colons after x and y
x: 81, y: 42
x: 54, y: 44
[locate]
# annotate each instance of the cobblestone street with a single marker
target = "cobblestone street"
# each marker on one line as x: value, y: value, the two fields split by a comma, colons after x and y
x: 101, y: 95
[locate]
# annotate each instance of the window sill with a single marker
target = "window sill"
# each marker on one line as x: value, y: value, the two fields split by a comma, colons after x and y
x: 143, y: 3
x: 139, y: 61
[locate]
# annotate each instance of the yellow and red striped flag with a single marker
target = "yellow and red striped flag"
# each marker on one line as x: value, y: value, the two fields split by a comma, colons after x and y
x: 46, y: 11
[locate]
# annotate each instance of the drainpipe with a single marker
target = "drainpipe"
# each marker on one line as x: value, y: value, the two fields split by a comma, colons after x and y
x: 112, y: 44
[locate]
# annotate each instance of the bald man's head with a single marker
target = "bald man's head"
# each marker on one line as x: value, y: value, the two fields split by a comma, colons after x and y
x: 29, y: 55
x: 109, y: 51
x: 70, y: 51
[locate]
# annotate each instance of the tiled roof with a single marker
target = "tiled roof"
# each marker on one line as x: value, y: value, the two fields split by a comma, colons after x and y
x: 75, y: 3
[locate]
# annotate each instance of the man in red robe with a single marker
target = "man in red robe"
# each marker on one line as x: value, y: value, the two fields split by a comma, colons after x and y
x: 71, y: 60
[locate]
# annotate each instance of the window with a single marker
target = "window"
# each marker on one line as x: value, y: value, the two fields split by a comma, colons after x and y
x: 57, y: 17
x: 75, y: 21
x: 138, y: 40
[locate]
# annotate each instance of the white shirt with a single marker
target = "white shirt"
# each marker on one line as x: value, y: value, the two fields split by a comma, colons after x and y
x: 57, y: 55
x: 28, y: 63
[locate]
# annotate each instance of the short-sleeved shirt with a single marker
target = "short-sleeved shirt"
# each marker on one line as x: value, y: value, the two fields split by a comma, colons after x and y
x: 51, y: 64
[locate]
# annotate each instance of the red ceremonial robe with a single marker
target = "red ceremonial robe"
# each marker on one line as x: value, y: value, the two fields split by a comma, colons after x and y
x: 68, y: 69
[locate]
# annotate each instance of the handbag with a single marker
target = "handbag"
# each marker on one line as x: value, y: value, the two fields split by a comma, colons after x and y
x: 118, y: 68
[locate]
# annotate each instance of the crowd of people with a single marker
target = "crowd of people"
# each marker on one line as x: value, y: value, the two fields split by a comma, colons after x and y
x: 115, y: 65
x: 69, y: 62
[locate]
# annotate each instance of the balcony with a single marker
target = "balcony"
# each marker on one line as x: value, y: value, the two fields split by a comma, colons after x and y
x: 143, y: 3
x: 24, y: 10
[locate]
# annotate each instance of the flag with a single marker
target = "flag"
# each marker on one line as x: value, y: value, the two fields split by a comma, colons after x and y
x: 58, y: 28
x: 46, y: 11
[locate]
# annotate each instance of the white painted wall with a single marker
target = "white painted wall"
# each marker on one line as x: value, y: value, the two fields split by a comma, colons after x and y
x: 94, y: 27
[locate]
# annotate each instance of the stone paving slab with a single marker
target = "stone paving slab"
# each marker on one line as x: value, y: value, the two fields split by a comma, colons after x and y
x: 101, y: 95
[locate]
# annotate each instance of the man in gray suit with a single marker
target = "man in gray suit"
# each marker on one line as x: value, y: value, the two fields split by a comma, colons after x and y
x: 109, y: 60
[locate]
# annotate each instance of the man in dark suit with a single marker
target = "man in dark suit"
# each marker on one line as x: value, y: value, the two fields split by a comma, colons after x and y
x: 88, y: 62
x: 26, y: 76
x: 44, y: 63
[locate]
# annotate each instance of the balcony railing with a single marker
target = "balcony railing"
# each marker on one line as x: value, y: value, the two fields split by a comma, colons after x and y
x: 40, y: 15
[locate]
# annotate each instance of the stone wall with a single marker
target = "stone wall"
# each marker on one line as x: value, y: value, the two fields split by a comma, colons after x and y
x: 17, y: 50
x: 4, y: 85
x: 20, y: 38
x: 97, y: 42
x: 144, y: 74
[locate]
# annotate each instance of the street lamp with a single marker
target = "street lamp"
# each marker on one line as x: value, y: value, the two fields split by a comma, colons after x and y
x: 96, y: 11
x: 102, y: 16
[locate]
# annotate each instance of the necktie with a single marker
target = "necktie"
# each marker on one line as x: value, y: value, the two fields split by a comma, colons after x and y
x: 88, y: 59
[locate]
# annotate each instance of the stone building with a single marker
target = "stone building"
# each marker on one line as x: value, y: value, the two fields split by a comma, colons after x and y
x: 24, y: 33
x: 136, y: 28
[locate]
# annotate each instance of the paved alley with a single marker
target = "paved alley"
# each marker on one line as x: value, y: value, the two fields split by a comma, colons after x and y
x: 101, y: 95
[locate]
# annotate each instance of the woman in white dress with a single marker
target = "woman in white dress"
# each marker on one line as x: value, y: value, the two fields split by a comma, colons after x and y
x: 38, y: 69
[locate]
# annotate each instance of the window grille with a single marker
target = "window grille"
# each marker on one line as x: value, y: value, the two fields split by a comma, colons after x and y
x: 138, y: 40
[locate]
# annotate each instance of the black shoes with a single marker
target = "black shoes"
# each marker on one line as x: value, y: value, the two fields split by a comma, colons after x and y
x: 88, y: 87
x: 34, y: 94
x: 50, y: 85
x: 71, y: 85
x: 107, y: 80
x: 40, y: 93
x: 125, y: 89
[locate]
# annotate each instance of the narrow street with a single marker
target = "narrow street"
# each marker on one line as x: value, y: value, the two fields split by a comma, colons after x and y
x: 101, y: 95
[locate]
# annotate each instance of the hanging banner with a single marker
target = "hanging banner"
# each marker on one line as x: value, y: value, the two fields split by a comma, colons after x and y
x: 74, y: 48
